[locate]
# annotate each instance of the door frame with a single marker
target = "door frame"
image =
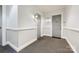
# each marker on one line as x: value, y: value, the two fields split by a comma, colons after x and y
x: 61, y: 13
x: 4, y: 41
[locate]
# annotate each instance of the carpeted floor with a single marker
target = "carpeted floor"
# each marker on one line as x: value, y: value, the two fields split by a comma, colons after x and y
x: 42, y: 45
x: 48, y: 45
x: 6, y: 49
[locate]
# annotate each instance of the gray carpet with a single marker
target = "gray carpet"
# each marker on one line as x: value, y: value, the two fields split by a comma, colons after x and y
x: 6, y: 49
x: 42, y: 45
x: 48, y: 45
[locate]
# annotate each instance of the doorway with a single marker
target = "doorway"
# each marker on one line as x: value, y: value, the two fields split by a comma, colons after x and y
x: 37, y: 19
x: 56, y: 26
x: 39, y: 26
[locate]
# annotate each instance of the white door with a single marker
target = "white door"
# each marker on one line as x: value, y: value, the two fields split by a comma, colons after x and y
x: 56, y: 26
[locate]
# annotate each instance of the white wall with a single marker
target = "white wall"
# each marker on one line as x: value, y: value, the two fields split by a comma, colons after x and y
x: 71, y: 32
x: 73, y: 16
x: 11, y: 16
x: 21, y: 27
x: 27, y: 35
x: 12, y: 37
x: 25, y: 16
x: 0, y: 24
x: 25, y: 20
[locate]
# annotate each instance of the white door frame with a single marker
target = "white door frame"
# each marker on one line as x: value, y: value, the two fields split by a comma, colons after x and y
x: 61, y: 13
x: 4, y: 25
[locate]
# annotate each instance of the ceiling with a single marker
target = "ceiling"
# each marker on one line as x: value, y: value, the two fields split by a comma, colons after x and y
x: 49, y: 8
x: 43, y: 8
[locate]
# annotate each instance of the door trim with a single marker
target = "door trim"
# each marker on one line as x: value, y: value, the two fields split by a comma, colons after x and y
x: 4, y: 25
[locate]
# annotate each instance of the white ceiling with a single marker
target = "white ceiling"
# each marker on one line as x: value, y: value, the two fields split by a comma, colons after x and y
x: 49, y: 8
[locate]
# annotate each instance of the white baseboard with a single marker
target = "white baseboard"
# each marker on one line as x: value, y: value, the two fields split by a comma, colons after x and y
x: 13, y: 46
x: 26, y: 44
x: 17, y: 49
x: 72, y: 47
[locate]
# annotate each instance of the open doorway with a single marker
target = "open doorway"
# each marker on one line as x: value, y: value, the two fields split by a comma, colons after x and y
x: 37, y: 18
x: 56, y: 26
x: 39, y: 26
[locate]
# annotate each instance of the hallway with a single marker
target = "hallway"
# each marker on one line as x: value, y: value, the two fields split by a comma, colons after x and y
x: 23, y: 24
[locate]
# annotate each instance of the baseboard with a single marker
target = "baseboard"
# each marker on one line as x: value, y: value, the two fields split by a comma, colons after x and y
x: 72, y: 47
x: 56, y: 37
x: 26, y: 44
x: 17, y: 49
x: 46, y: 35
x: 13, y: 46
